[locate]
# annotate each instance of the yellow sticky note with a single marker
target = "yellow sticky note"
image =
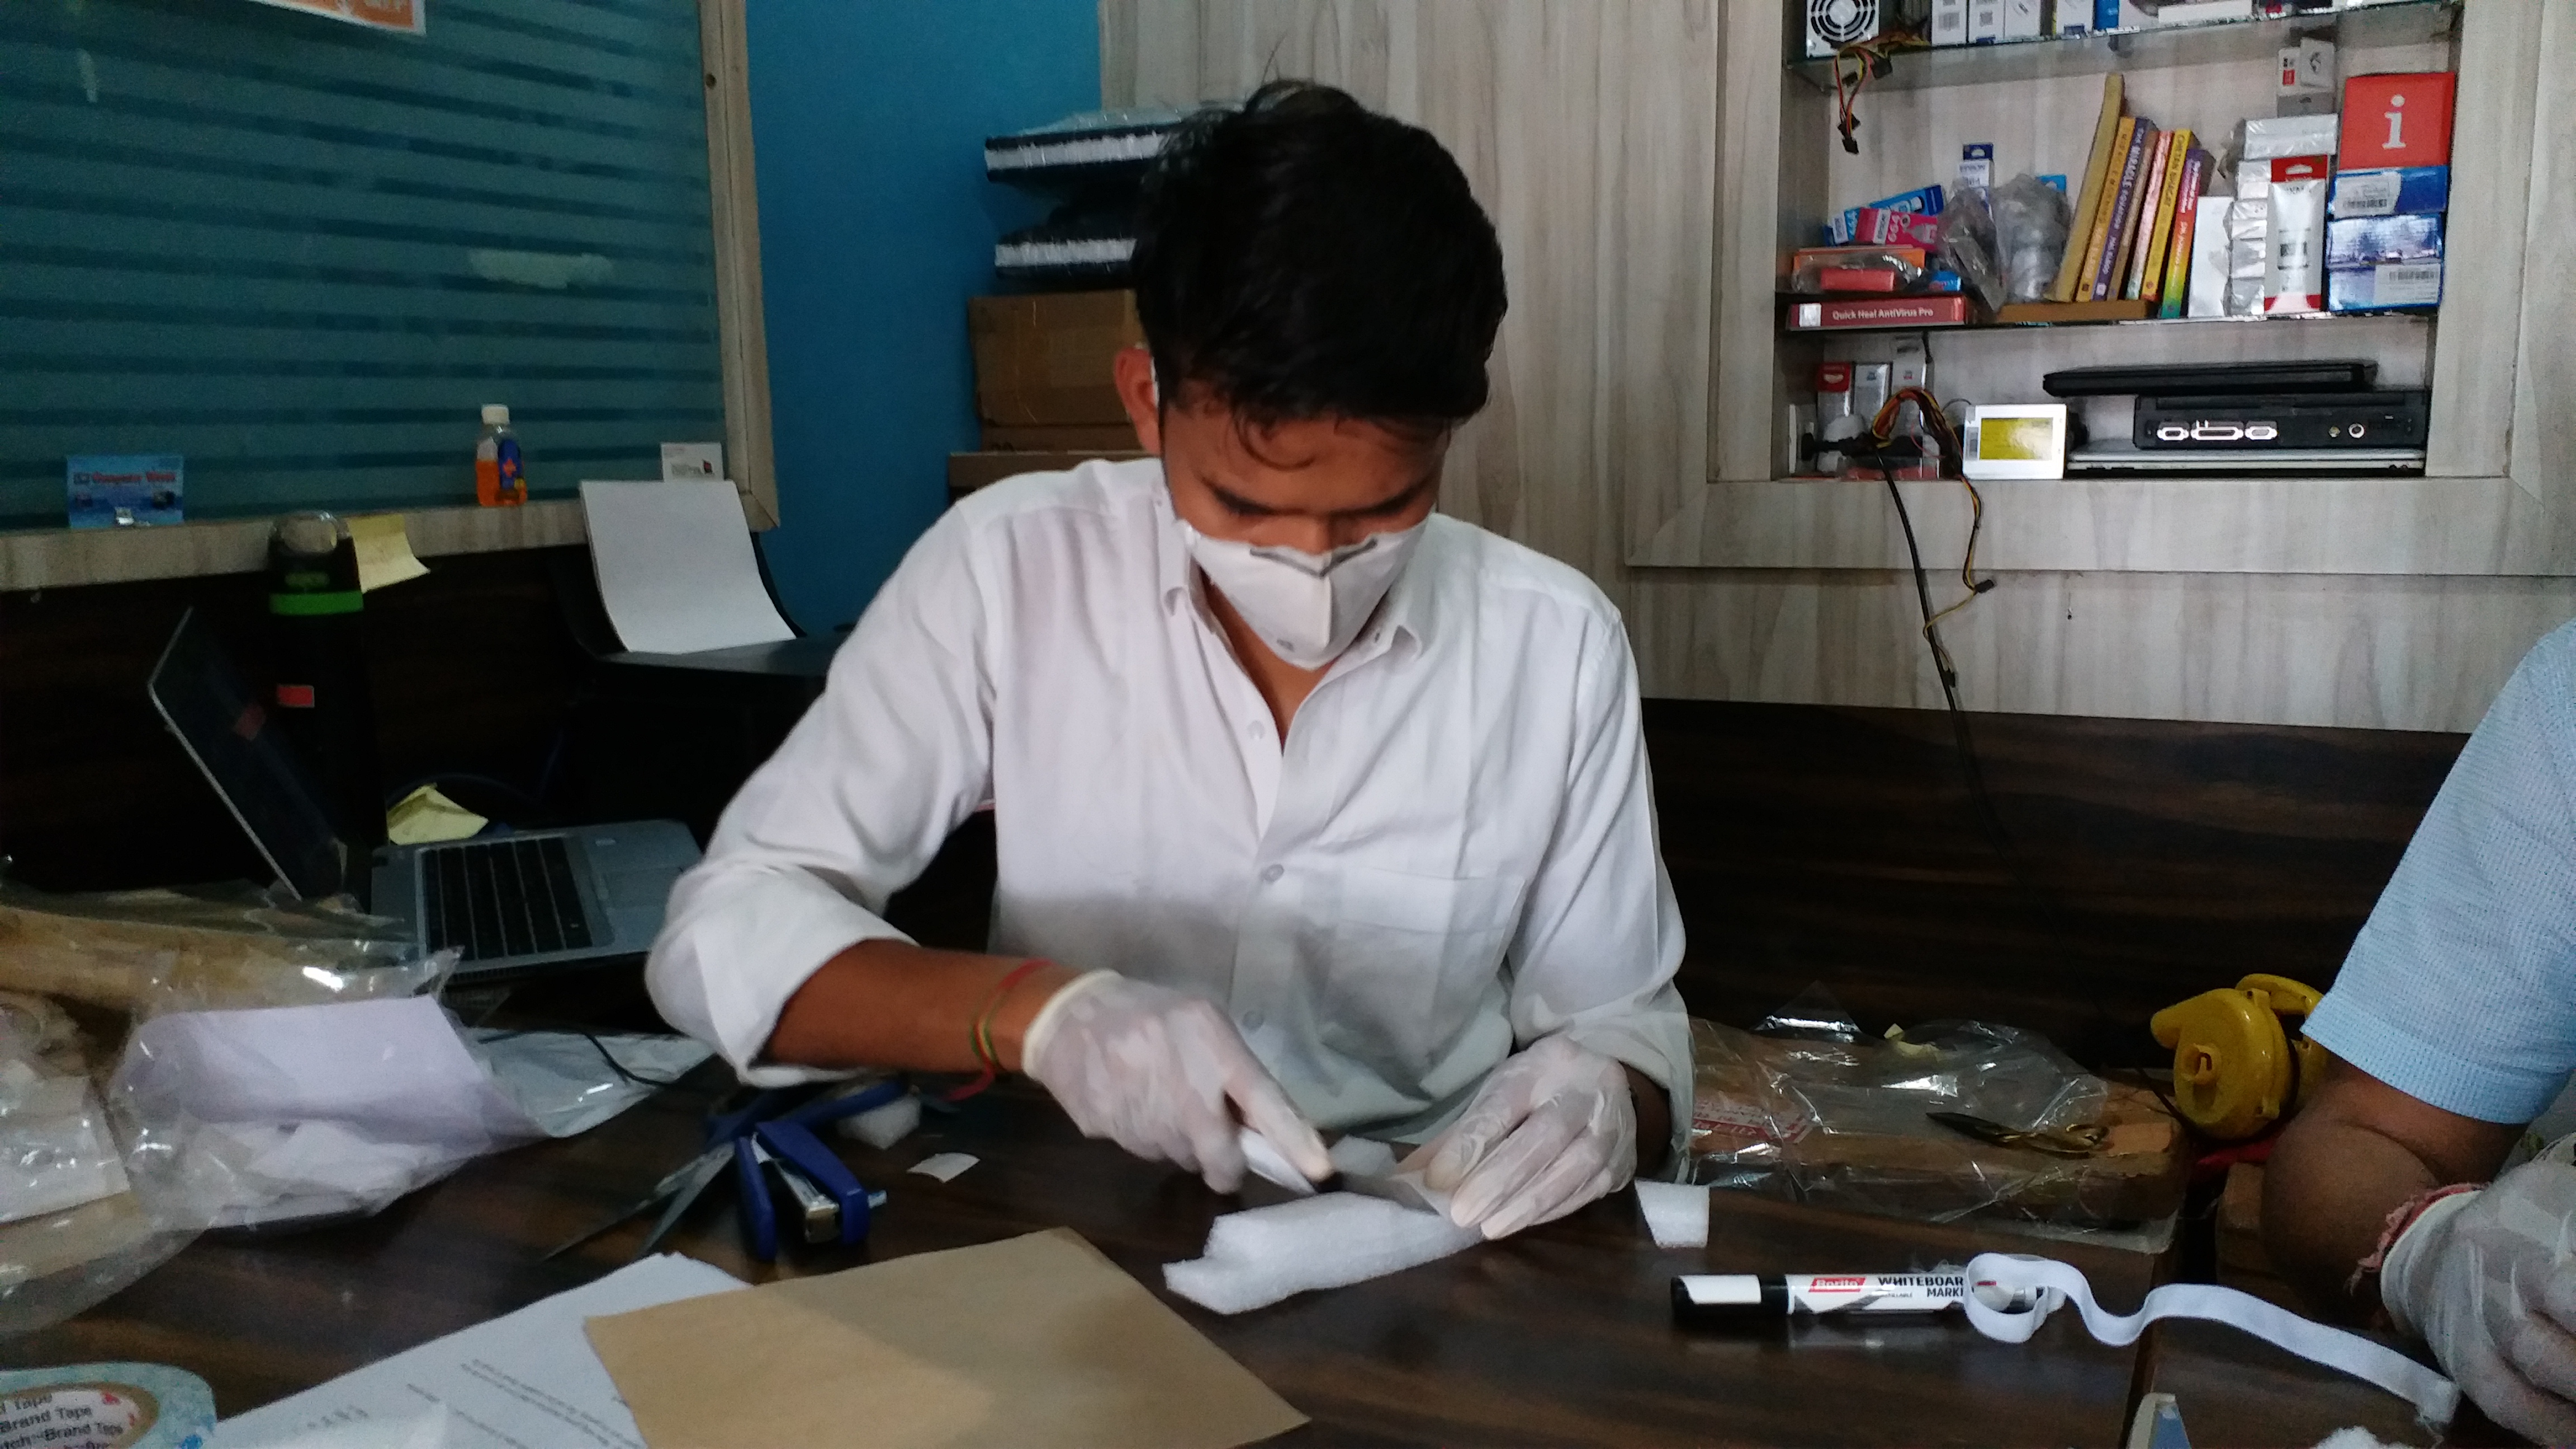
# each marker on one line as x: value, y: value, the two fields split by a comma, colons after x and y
x: 384, y: 551
x: 425, y: 817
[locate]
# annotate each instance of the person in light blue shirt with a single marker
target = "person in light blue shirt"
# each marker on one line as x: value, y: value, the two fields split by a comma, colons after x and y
x: 2452, y: 1026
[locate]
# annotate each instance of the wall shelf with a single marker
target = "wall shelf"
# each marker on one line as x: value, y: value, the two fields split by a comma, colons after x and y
x: 2319, y: 319
x: 2392, y: 22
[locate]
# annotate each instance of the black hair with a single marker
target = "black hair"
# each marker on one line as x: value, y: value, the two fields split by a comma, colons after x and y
x: 1301, y: 256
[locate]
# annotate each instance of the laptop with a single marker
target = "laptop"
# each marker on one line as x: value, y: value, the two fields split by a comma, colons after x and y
x: 508, y: 904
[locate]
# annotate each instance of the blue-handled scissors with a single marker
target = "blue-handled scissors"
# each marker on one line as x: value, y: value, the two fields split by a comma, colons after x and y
x: 765, y: 1135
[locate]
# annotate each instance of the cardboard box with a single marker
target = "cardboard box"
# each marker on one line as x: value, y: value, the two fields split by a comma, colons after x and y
x: 970, y: 471
x: 1088, y: 438
x: 2388, y: 193
x: 2391, y: 287
x: 1950, y: 311
x: 2397, y: 120
x: 1045, y: 359
x: 2367, y: 241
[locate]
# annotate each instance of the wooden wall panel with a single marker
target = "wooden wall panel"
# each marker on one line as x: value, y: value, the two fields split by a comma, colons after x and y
x: 1582, y: 128
x: 1588, y: 131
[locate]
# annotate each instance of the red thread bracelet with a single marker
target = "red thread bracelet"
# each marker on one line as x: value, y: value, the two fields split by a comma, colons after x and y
x: 979, y: 1035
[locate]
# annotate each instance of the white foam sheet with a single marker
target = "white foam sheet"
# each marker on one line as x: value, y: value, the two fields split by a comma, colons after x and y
x: 1676, y: 1213
x: 1257, y: 1257
x: 675, y: 566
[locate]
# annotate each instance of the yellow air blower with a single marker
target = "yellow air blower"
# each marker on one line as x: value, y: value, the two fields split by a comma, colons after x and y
x: 2237, y: 1069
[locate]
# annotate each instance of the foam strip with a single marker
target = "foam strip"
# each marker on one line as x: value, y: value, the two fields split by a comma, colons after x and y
x: 1255, y: 1258
x: 1676, y: 1213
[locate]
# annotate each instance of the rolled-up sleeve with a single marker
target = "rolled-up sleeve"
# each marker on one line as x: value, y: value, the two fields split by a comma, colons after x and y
x: 2460, y: 990
x: 1601, y: 934
x: 851, y: 809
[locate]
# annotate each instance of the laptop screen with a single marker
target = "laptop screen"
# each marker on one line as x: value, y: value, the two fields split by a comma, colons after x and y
x: 228, y: 732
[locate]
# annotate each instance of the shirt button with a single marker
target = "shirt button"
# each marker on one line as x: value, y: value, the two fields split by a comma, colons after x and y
x: 1252, y: 1021
x: 1253, y: 730
x: 1274, y: 872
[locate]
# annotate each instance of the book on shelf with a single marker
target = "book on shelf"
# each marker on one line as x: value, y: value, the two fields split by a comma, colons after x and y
x: 2186, y: 226
x: 2088, y: 201
x: 2151, y: 199
x: 2120, y: 210
x: 2160, y: 226
x: 2097, y: 232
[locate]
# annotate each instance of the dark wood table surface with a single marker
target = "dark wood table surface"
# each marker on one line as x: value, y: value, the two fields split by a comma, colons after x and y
x: 1561, y: 1335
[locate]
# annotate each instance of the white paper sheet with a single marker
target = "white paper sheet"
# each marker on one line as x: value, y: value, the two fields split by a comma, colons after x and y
x: 675, y: 566
x: 527, y: 1378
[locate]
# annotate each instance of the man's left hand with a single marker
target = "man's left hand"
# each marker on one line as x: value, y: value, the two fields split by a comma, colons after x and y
x: 1552, y: 1129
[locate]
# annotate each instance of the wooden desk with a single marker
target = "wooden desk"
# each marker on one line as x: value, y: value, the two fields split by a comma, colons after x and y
x: 1559, y: 1336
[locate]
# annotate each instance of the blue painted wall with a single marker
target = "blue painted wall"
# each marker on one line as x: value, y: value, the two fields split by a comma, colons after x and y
x: 876, y: 224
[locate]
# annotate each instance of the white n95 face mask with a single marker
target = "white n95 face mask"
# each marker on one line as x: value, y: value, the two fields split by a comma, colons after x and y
x: 1307, y: 607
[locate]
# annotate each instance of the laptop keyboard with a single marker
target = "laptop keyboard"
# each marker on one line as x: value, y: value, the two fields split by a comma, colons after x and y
x: 498, y: 898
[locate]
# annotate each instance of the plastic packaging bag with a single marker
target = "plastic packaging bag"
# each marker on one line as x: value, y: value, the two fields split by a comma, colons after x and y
x: 162, y: 950
x: 1969, y: 245
x: 1809, y: 1110
x: 2031, y: 224
x: 89, y: 1200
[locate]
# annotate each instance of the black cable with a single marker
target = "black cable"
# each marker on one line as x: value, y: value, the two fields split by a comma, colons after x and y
x: 1963, y: 740
x: 614, y: 1065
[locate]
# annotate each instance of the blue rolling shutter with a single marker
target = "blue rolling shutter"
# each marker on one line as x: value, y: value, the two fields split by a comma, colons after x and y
x: 303, y: 253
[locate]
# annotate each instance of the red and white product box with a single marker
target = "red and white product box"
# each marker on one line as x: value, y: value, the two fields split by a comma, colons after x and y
x: 2401, y: 119
x: 1896, y: 229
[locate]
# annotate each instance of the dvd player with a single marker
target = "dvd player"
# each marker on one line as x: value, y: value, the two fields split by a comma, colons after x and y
x: 2392, y: 418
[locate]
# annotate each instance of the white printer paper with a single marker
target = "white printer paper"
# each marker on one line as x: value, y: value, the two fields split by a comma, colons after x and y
x: 527, y: 1378
x: 675, y: 566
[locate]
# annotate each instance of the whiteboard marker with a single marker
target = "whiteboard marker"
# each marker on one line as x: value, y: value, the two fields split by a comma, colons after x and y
x: 1719, y: 1299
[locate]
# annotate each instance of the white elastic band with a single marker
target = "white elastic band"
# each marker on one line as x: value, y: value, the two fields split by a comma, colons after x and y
x: 2046, y: 1283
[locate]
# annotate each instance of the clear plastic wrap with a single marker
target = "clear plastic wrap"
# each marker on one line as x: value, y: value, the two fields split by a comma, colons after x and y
x: 1813, y: 1112
x: 1969, y: 245
x: 203, y: 949
x: 90, y: 1200
x: 2031, y: 226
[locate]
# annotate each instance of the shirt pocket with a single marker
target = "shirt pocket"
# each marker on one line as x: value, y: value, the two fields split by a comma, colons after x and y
x: 1414, y: 958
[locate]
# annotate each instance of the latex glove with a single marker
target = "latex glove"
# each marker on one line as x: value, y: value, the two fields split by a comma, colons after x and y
x: 2486, y: 1281
x: 1163, y: 1075
x: 1552, y: 1129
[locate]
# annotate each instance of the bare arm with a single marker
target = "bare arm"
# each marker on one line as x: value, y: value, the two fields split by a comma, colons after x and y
x: 893, y: 1004
x: 1654, y: 1120
x: 2356, y: 1151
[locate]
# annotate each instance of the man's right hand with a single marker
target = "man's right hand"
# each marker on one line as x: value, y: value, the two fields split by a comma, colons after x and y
x: 1163, y: 1075
x: 2486, y: 1280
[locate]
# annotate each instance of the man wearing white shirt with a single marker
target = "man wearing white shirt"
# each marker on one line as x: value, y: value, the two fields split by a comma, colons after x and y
x: 1312, y: 808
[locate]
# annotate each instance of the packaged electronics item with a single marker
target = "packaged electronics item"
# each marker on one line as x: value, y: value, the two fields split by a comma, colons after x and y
x: 2387, y: 418
x: 2399, y: 120
x: 2294, y: 272
x: 1857, y: 269
x: 2201, y: 379
x: 2249, y: 249
x: 2388, y: 287
x: 1985, y: 21
x: 1833, y: 392
x: 1869, y: 391
x: 2022, y: 19
x: 1940, y: 311
x: 2364, y: 241
x: 2269, y: 138
x: 1808, y: 1109
x: 1977, y: 165
x: 2389, y: 192
x: 2207, y: 284
x: 1949, y: 22
x: 2203, y: 12
x: 1922, y: 201
x: 2309, y: 77
x: 1878, y: 226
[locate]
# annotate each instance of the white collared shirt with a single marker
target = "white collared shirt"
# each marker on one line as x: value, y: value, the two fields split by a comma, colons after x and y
x: 1453, y: 855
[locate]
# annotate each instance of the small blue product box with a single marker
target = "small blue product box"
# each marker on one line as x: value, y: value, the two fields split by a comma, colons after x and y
x: 2388, y: 287
x: 2366, y: 241
x: 2389, y: 192
x: 124, y: 490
